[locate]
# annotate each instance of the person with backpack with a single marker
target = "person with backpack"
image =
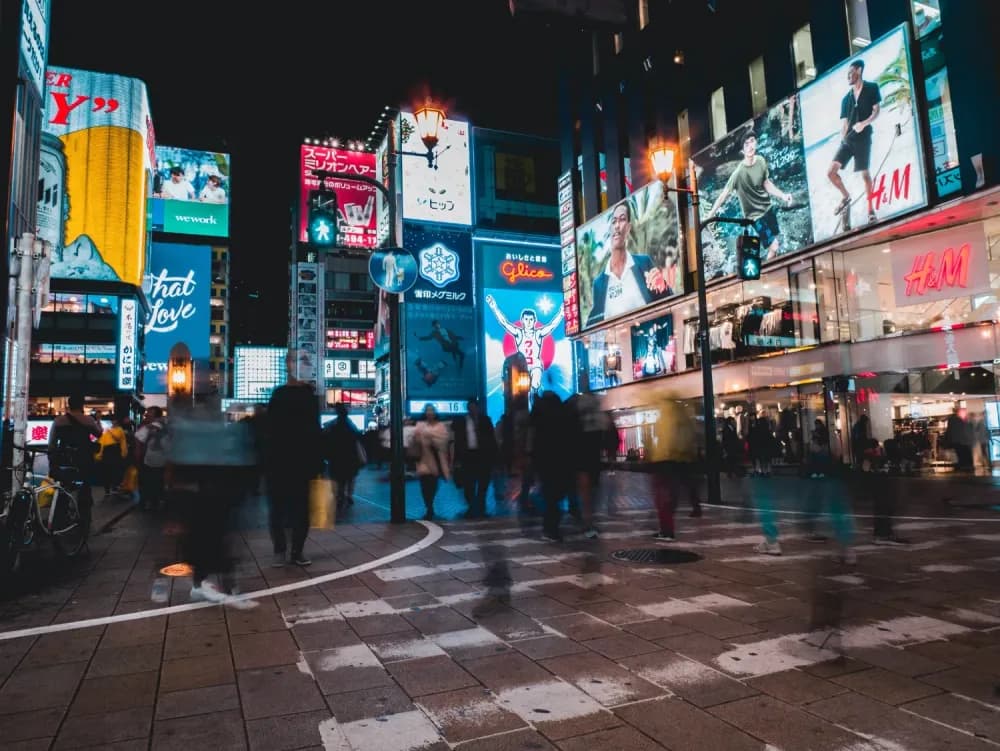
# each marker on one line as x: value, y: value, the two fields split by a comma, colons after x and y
x: 73, y: 443
x: 152, y: 441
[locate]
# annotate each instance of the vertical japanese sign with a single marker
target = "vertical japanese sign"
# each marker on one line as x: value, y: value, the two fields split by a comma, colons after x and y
x: 307, y: 319
x: 567, y: 242
x: 128, y: 330
x: 356, y: 202
x: 35, y: 41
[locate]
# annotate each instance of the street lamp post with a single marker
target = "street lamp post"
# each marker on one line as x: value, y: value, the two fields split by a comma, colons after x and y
x: 662, y: 158
x: 429, y: 120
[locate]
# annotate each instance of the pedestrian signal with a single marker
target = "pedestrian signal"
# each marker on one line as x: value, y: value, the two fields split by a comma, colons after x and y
x: 748, y: 253
x: 323, y: 218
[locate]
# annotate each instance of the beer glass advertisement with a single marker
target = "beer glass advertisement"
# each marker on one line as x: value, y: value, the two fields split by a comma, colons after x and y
x: 441, y: 193
x: 755, y: 172
x: 96, y: 172
x: 357, y: 225
x: 440, y: 351
x: 191, y: 192
x: 180, y: 287
x: 523, y: 323
x: 654, y: 348
x: 444, y: 264
x: 862, y: 141
x: 629, y: 256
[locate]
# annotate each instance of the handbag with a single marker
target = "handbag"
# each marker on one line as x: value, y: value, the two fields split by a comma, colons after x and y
x: 322, y: 503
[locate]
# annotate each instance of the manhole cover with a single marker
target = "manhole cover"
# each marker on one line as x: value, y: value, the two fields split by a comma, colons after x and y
x: 656, y: 555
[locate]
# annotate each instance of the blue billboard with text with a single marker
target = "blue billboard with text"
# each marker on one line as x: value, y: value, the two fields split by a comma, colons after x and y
x: 180, y: 288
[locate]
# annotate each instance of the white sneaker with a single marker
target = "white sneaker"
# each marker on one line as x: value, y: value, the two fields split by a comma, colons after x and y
x: 208, y: 592
x: 238, y: 603
x: 768, y: 548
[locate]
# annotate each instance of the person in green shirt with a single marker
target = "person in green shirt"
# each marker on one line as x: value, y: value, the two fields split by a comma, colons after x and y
x: 752, y: 185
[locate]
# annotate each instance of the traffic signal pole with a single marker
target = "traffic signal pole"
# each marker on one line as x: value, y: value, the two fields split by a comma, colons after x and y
x: 397, y: 468
x: 713, y: 457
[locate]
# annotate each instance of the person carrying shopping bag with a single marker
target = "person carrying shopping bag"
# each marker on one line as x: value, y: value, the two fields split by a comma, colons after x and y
x: 432, y: 438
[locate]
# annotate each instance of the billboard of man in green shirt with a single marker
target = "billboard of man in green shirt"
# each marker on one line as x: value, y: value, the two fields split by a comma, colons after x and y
x: 752, y: 185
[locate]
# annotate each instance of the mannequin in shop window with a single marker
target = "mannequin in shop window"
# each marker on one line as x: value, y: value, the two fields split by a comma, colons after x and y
x: 861, y: 435
x: 762, y: 446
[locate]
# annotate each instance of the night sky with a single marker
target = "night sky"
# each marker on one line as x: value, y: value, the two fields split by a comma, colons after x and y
x: 253, y: 80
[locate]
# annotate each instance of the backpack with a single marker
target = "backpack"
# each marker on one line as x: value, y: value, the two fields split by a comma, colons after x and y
x: 157, y: 445
x: 75, y: 445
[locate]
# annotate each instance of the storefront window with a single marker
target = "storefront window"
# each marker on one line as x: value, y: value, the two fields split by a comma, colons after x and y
x: 830, y: 303
x: 874, y: 288
x: 67, y: 302
x: 74, y: 354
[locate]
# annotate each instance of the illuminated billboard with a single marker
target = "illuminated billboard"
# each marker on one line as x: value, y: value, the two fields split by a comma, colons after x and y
x: 755, y: 172
x: 629, y: 256
x: 861, y: 136
x: 442, y: 193
x: 567, y: 243
x: 356, y: 202
x: 523, y: 327
x: 180, y: 287
x: 191, y: 192
x: 257, y: 372
x: 100, y: 170
x: 654, y: 348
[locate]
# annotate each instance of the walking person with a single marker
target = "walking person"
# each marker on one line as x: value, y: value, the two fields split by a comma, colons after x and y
x: 432, y: 439
x: 111, y: 457
x: 213, y: 457
x: 550, y: 458
x: 672, y: 454
x: 588, y: 435
x: 152, y: 446
x: 344, y: 452
x: 475, y: 454
x: 72, y: 441
x: 293, y: 457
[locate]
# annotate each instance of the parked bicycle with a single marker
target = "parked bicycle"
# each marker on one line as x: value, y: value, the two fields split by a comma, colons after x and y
x: 47, y: 506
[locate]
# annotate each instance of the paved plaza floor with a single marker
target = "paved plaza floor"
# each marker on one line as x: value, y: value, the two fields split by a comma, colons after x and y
x: 581, y: 651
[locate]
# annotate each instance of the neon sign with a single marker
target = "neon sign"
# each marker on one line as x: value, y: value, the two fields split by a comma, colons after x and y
x: 935, y: 272
x: 513, y: 271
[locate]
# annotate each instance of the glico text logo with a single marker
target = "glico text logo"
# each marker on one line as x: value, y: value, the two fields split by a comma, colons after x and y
x: 513, y: 271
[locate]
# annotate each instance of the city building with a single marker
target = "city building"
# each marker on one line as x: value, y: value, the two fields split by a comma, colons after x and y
x: 878, y: 296
x: 95, y: 174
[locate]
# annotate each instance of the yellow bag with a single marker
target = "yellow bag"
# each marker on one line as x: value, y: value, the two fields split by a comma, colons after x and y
x: 130, y: 482
x: 322, y: 503
x: 46, y: 492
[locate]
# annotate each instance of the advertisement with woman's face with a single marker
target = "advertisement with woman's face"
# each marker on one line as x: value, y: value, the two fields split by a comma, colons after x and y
x: 629, y: 256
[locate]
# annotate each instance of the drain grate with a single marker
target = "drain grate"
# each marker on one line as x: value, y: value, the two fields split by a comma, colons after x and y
x: 656, y: 555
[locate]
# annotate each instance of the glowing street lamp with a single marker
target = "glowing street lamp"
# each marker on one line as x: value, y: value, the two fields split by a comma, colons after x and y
x: 429, y: 119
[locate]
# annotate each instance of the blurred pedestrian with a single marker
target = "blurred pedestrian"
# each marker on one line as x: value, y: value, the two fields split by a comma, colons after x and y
x: 152, y: 446
x: 732, y: 448
x: 671, y: 456
x: 343, y: 449
x: 550, y: 457
x: 588, y: 434
x: 213, y: 457
x: 475, y: 455
x: 111, y: 456
x: 432, y: 440
x: 293, y: 458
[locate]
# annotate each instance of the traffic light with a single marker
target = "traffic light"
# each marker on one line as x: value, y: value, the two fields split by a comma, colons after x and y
x: 748, y: 252
x: 323, y: 218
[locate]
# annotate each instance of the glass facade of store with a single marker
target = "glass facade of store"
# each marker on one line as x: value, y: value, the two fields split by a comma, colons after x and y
x: 901, y: 332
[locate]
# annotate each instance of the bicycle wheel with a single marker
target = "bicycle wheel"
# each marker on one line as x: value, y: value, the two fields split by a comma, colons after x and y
x: 15, y: 532
x: 70, y: 525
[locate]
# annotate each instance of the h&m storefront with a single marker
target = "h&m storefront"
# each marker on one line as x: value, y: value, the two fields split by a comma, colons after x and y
x: 898, y: 325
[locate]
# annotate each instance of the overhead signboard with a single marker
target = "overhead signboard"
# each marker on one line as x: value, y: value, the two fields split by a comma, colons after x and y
x: 357, y: 215
x: 191, y: 192
x: 442, y: 192
x: 104, y: 144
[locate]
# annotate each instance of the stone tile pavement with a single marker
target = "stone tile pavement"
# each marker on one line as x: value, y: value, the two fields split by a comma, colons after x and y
x: 734, y: 651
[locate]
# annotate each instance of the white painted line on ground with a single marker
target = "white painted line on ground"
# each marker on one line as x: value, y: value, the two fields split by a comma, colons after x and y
x: 955, y: 519
x: 434, y: 533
